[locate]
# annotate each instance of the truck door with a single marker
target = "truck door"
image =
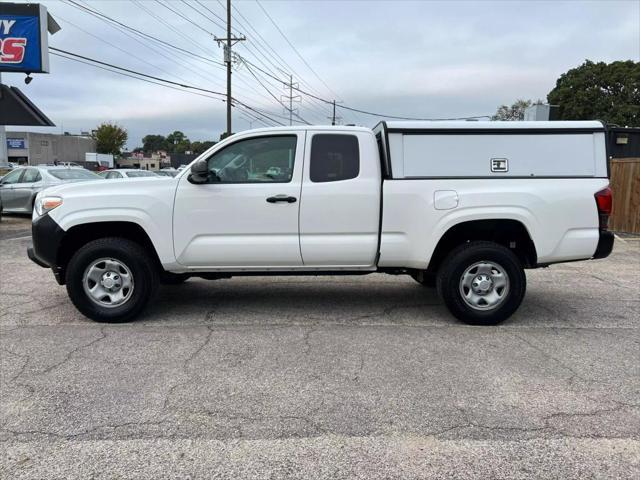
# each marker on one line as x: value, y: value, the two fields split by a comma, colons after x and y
x: 247, y: 214
x: 340, y: 207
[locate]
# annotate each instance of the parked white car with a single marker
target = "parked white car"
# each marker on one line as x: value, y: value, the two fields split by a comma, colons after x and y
x: 115, y: 173
x: 464, y: 206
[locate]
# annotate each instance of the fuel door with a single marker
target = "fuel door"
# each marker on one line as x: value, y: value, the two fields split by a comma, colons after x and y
x: 445, y: 199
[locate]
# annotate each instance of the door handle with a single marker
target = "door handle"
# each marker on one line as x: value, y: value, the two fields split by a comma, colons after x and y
x: 281, y: 198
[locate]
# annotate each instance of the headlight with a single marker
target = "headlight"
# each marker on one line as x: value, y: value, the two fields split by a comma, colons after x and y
x: 46, y: 204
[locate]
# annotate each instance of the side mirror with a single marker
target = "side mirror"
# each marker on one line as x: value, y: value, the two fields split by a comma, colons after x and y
x: 199, y: 172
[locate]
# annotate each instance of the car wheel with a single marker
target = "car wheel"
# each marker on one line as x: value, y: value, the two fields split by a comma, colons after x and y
x: 482, y: 283
x: 111, y: 279
x: 425, y: 279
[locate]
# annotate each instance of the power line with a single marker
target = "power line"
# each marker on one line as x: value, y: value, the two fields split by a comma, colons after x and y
x: 154, y: 80
x: 96, y: 13
x: 365, y: 112
x: 301, y: 120
x: 184, y: 17
x: 294, y: 48
x: 59, y: 50
x: 130, y: 75
x: 263, y: 51
x: 196, y: 70
x: 117, y: 47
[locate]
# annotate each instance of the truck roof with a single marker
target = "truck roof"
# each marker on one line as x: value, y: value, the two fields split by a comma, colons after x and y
x: 463, y: 125
x: 333, y: 128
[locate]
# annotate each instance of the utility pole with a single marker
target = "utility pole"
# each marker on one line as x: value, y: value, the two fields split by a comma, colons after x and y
x: 333, y: 117
x: 228, y: 60
x: 291, y: 98
x: 4, y: 155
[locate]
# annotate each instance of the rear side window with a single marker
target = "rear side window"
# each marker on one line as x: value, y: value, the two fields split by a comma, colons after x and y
x: 334, y: 158
x: 31, y: 176
x: 73, y: 174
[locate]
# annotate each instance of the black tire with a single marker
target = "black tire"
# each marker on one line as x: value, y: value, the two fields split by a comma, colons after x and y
x: 425, y: 279
x: 450, y: 283
x: 142, y: 268
x: 168, y: 278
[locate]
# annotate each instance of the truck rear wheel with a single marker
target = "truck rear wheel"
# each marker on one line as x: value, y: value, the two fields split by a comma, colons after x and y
x: 111, y: 279
x: 482, y: 283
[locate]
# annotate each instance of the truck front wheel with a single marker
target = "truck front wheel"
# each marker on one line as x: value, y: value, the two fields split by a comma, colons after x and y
x: 482, y: 283
x: 111, y: 279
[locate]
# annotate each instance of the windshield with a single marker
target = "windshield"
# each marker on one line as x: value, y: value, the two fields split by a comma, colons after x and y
x: 73, y: 174
x: 141, y: 173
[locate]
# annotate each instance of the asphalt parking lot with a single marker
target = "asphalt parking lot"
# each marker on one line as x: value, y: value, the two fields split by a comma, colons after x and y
x: 333, y: 377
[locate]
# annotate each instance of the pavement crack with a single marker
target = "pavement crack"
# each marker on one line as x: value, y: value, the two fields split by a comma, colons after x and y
x: 70, y: 354
x: 574, y: 374
x: 185, y: 368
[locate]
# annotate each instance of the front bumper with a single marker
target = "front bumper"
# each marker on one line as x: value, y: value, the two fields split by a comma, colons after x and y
x: 47, y: 238
x: 605, y: 244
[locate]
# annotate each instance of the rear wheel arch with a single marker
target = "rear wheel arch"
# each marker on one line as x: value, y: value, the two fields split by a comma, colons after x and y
x: 509, y: 233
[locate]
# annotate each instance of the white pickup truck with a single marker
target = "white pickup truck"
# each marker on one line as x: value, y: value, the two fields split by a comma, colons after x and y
x: 463, y: 206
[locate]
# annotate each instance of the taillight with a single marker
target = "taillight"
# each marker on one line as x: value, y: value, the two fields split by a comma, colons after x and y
x: 604, y: 201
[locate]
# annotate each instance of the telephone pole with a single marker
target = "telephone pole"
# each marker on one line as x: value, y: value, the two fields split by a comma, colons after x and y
x: 333, y: 117
x: 228, y: 60
x: 291, y: 98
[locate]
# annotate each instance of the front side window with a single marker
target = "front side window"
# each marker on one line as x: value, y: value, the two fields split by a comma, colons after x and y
x: 255, y: 160
x: 334, y: 157
x: 12, y: 177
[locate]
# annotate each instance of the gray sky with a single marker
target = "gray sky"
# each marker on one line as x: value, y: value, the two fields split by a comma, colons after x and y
x: 429, y: 59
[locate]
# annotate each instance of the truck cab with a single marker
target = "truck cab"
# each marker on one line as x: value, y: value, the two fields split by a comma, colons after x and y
x: 464, y: 207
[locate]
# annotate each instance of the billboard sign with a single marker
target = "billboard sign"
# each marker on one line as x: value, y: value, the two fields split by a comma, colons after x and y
x: 16, y: 143
x: 24, y: 45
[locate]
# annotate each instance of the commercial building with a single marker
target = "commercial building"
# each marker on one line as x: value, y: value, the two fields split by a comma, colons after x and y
x: 31, y: 148
x: 156, y: 161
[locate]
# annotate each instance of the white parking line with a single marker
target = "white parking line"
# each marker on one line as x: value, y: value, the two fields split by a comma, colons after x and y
x: 16, y: 238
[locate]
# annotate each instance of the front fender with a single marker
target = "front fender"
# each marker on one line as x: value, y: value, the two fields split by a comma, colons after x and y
x: 157, y: 227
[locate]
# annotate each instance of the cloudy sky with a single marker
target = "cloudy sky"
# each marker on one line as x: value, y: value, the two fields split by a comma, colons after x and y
x: 428, y: 59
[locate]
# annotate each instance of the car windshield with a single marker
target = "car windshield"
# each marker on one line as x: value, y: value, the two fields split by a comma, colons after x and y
x: 141, y: 173
x: 73, y: 174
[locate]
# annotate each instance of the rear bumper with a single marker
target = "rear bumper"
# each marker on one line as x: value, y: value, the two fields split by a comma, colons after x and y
x: 47, y: 237
x: 605, y: 244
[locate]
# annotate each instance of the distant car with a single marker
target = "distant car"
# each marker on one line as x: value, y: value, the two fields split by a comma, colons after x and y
x: 5, y: 167
x: 126, y: 173
x: 167, y: 173
x: 18, y: 188
x: 65, y: 164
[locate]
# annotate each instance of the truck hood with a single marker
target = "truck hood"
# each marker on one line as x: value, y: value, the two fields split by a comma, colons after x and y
x: 108, y: 187
x: 144, y: 200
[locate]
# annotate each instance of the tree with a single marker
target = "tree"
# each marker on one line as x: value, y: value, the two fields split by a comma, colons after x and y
x: 514, y: 112
x: 599, y: 91
x: 199, y: 147
x: 153, y: 143
x: 177, y: 142
x: 110, y: 138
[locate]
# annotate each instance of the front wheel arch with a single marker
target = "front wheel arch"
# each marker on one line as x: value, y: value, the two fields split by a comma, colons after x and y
x: 78, y: 236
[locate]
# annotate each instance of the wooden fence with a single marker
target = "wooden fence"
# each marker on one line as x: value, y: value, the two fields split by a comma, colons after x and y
x: 625, y: 184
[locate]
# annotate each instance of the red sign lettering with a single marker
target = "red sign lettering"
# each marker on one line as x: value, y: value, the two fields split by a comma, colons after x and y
x: 12, y: 50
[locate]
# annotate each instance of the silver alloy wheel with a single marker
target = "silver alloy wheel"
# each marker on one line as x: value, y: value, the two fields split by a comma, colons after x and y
x: 108, y: 282
x: 484, y: 285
